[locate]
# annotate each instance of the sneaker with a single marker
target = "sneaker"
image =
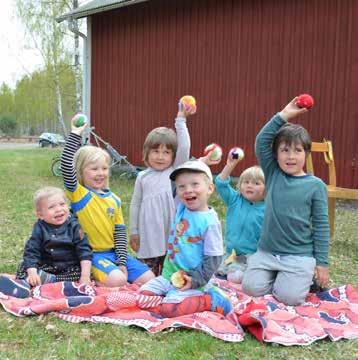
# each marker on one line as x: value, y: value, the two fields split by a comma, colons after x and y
x: 220, y: 302
x: 46, y: 277
x: 16, y: 288
x: 315, y: 287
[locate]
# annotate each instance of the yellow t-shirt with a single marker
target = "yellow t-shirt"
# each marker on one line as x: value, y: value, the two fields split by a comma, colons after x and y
x: 99, y: 214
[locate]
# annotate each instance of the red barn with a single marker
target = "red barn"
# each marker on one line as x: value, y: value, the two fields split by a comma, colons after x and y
x: 243, y: 60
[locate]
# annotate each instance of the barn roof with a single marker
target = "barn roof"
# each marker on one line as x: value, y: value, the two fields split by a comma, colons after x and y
x: 96, y: 6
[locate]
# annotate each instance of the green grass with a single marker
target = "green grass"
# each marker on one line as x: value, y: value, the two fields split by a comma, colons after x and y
x: 46, y: 337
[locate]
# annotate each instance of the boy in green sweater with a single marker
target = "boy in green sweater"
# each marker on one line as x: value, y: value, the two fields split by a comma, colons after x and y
x: 295, y: 235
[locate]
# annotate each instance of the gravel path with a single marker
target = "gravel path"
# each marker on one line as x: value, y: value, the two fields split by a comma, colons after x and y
x: 14, y: 145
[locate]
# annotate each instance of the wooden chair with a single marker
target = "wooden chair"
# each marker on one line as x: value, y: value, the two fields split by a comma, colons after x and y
x: 334, y: 192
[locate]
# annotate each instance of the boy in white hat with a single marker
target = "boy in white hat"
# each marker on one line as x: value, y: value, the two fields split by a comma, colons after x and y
x: 195, y: 248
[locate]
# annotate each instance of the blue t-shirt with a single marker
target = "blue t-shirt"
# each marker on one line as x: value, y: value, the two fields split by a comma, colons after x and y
x: 193, y: 234
x: 243, y: 219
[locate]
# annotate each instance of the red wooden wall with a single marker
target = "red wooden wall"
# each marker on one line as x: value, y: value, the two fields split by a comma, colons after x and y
x: 243, y: 60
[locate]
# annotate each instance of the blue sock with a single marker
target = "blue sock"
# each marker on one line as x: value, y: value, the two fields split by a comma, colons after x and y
x: 220, y: 302
x: 16, y: 288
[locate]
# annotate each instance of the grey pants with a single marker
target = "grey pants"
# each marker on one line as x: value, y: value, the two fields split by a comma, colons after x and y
x: 287, y: 277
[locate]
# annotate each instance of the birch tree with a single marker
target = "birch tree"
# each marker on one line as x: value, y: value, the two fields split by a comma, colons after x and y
x: 47, y: 36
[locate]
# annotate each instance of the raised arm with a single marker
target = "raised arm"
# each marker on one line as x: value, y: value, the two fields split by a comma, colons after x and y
x: 183, y: 151
x: 73, y: 143
x: 264, y: 139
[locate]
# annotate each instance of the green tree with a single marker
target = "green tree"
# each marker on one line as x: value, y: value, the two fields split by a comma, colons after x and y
x: 8, y: 125
x: 35, y: 100
x: 7, y: 105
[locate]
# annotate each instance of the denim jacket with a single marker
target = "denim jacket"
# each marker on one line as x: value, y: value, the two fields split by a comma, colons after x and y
x: 60, y: 246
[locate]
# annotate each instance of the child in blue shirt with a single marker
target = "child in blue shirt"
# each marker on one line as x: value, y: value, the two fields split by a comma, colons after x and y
x: 295, y: 234
x: 245, y: 213
x: 195, y: 248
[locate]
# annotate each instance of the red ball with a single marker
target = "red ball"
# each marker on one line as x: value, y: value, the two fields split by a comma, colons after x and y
x: 305, y: 101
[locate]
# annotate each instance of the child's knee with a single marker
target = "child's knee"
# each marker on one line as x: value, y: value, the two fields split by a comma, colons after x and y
x: 289, y: 296
x: 148, y: 275
x: 251, y: 287
x: 254, y: 288
x: 115, y: 278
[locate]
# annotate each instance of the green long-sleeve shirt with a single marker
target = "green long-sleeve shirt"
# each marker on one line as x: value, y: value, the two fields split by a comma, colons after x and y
x: 296, y: 216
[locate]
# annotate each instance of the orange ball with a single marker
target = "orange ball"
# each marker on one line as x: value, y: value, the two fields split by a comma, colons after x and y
x: 188, y: 100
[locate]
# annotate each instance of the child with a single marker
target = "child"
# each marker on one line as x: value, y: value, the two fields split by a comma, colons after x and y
x: 57, y: 249
x: 195, y: 247
x: 152, y: 207
x: 295, y: 235
x: 244, y: 217
x: 99, y: 212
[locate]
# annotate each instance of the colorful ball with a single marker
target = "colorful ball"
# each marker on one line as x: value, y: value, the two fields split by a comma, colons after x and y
x: 236, y: 153
x: 216, y: 150
x: 305, y: 101
x: 80, y: 120
x: 188, y: 100
x: 177, y: 279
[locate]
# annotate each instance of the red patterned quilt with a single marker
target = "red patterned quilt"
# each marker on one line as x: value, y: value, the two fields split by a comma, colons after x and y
x: 332, y: 314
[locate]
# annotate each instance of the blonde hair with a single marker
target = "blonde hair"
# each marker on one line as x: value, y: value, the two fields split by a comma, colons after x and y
x: 86, y: 155
x: 160, y: 136
x: 45, y: 193
x: 254, y: 173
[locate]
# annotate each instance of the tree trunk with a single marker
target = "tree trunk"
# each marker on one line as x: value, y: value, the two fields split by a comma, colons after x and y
x: 78, y: 72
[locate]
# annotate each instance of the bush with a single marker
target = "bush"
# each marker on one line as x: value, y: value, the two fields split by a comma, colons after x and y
x: 8, y: 125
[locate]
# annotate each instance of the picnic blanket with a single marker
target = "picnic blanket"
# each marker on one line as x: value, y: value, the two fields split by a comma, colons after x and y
x: 332, y: 314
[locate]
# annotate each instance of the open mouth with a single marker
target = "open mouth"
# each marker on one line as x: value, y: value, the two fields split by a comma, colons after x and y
x: 190, y: 199
x: 59, y: 217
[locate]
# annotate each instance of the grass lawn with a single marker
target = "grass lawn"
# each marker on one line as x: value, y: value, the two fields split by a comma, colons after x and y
x: 45, y: 337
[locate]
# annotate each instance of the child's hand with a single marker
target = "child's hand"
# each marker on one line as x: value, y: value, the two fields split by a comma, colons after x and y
x: 291, y: 110
x: 206, y: 159
x: 230, y: 161
x: 85, y: 279
x: 184, y: 110
x: 124, y: 270
x: 33, y: 278
x: 188, y: 282
x: 134, y: 242
x: 77, y: 130
x: 322, y: 275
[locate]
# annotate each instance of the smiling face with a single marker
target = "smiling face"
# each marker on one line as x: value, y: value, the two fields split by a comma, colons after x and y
x: 252, y: 190
x: 160, y: 158
x: 291, y: 158
x: 194, y: 190
x: 95, y: 174
x: 53, y: 210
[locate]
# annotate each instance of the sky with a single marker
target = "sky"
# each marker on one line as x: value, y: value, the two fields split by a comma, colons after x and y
x: 16, y: 57
x: 16, y: 60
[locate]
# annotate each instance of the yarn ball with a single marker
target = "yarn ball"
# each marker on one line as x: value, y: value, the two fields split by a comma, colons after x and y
x: 177, y: 279
x: 305, y: 101
x: 188, y: 100
x: 217, y: 152
x: 236, y: 153
x: 80, y: 120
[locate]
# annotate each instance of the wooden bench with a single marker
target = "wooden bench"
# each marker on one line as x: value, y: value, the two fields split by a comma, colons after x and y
x: 334, y: 192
